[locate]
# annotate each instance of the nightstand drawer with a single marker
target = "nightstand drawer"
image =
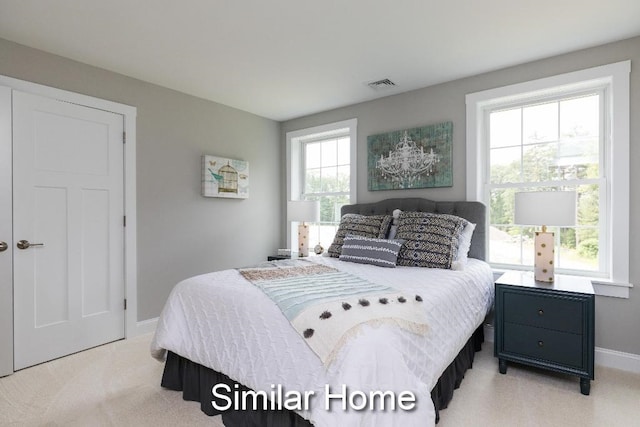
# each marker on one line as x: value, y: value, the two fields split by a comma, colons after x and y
x: 557, y: 347
x: 558, y: 313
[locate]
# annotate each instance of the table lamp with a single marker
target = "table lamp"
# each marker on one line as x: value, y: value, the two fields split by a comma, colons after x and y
x: 545, y: 208
x: 303, y: 211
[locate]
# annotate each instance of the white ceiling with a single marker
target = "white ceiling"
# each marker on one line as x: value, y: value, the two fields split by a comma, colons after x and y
x: 283, y: 59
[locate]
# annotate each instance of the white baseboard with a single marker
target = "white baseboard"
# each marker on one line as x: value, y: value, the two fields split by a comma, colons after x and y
x: 617, y: 359
x: 603, y: 356
x: 146, y: 326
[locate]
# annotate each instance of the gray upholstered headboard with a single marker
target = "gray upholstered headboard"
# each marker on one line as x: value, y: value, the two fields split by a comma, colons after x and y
x: 474, y: 212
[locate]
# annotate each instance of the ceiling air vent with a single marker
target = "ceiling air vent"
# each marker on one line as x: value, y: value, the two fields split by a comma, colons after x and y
x: 381, y: 84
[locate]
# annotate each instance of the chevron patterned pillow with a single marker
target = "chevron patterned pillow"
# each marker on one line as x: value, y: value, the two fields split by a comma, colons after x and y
x: 374, y: 226
x: 431, y: 239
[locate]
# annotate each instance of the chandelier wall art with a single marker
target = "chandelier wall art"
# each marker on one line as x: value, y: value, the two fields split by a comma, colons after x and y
x: 411, y: 158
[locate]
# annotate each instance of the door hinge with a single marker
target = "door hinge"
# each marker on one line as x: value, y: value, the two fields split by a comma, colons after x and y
x: 124, y: 221
x: 125, y: 303
x: 124, y: 137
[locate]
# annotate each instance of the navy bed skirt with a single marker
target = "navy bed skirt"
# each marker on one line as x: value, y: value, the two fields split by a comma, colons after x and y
x: 196, y: 381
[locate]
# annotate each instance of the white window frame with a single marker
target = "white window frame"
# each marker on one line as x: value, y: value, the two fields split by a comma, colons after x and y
x: 614, y: 79
x: 295, y: 162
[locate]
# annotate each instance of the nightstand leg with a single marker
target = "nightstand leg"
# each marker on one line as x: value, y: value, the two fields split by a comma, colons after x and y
x: 585, y: 386
x: 502, y: 366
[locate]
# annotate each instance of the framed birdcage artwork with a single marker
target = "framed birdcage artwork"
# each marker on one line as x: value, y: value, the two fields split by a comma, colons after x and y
x: 222, y: 177
x: 411, y: 158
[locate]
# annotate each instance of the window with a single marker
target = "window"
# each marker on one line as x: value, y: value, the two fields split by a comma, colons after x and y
x: 548, y: 146
x: 569, y: 132
x: 321, y: 166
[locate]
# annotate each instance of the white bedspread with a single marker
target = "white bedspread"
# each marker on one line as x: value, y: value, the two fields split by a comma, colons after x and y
x: 221, y: 321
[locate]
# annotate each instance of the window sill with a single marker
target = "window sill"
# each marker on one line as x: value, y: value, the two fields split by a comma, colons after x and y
x: 602, y: 287
x: 607, y: 288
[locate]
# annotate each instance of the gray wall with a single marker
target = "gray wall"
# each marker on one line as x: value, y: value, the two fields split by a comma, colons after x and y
x: 180, y: 233
x: 617, y: 320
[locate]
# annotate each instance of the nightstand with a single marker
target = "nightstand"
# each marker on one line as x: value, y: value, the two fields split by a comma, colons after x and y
x: 547, y: 325
x: 277, y: 257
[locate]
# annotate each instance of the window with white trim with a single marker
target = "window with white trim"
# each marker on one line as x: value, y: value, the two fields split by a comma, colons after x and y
x: 321, y: 166
x: 556, y: 144
x: 568, y: 132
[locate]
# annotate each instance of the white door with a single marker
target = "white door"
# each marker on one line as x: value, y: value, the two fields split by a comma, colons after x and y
x: 68, y: 205
x: 6, y: 240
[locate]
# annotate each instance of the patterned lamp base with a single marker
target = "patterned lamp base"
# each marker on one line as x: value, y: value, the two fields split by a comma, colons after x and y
x: 543, y: 264
x: 303, y: 239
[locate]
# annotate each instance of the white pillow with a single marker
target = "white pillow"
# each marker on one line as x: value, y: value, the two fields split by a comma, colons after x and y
x: 396, y: 215
x: 464, y: 244
x: 392, y: 231
x: 394, y: 224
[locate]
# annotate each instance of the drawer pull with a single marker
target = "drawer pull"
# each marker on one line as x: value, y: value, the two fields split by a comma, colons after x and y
x: 540, y: 312
x: 540, y: 343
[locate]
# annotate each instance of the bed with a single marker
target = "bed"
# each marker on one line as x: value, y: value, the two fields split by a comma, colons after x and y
x: 218, y: 329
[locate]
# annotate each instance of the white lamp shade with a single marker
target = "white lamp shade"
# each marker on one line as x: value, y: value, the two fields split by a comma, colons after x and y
x: 552, y: 208
x: 303, y: 211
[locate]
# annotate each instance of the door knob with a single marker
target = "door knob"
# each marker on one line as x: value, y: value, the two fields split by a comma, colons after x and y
x: 3, y: 246
x: 24, y: 244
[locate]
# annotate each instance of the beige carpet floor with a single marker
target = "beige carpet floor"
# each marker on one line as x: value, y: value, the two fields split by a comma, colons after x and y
x: 118, y: 385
